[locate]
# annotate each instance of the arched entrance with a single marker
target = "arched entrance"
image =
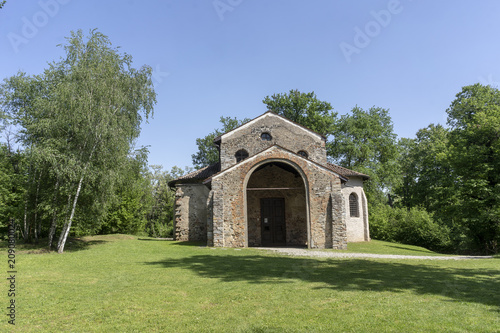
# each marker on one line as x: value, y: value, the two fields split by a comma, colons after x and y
x: 277, y: 210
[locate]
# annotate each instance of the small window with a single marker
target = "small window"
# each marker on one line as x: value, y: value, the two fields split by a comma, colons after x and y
x: 303, y: 153
x: 266, y: 136
x: 353, y: 205
x: 241, y: 155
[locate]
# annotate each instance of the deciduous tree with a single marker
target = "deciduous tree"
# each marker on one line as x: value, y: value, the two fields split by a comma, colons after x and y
x: 365, y: 141
x: 80, y: 117
x: 474, y: 119
x: 207, y: 152
x: 303, y: 108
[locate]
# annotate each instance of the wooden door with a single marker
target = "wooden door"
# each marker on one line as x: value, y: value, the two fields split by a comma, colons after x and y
x: 273, y: 226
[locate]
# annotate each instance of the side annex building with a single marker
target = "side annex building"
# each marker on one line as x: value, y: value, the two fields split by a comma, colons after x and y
x: 271, y: 187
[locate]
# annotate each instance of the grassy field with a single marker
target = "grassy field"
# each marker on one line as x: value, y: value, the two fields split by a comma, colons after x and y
x: 122, y: 283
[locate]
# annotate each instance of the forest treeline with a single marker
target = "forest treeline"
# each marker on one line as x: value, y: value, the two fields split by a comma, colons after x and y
x: 69, y: 166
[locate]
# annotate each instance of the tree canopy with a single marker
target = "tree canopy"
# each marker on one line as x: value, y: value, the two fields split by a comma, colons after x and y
x: 304, y: 109
x: 474, y: 120
x: 79, y: 119
x: 364, y: 141
x: 207, y: 152
x: 454, y: 172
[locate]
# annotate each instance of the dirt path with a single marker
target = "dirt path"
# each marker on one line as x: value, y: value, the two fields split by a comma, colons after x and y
x: 332, y: 254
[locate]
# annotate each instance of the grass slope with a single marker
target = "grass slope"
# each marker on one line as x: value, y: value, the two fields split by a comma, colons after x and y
x: 121, y: 283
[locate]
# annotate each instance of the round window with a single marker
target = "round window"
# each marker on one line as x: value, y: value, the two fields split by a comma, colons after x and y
x: 266, y: 136
x: 303, y: 153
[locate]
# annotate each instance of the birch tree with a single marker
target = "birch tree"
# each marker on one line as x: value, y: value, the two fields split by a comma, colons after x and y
x: 83, y: 113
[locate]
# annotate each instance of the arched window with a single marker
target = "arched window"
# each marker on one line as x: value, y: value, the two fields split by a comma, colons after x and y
x: 303, y: 153
x: 241, y: 155
x: 353, y: 205
x: 266, y: 136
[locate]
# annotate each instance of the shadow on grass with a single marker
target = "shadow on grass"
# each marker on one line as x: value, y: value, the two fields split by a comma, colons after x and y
x: 156, y: 239
x: 460, y: 285
x: 193, y: 244
x: 409, y: 249
x: 72, y: 245
x: 77, y: 244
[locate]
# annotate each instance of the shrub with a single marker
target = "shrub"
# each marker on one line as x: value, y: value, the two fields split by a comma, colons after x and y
x: 413, y: 226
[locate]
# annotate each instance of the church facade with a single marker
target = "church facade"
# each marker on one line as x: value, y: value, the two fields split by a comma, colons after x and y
x: 271, y: 187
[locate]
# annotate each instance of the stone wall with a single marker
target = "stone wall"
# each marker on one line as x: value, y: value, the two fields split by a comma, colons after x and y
x: 272, y: 176
x: 284, y: 133
x: 191, y: 212
x: 357, y: 227
x: 339, y: 227
x: 229, y: 186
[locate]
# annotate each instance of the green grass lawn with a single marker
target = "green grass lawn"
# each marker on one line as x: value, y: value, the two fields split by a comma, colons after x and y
x: 121, y: 283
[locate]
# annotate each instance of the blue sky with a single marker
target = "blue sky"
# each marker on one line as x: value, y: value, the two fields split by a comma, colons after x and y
x: 215, y: 58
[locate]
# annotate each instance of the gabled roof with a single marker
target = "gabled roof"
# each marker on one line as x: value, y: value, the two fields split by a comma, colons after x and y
x: 205, y: 174
x: 197, y: 176
x: 346, y: 172
x: 219, y: 138
x: 209, y: 179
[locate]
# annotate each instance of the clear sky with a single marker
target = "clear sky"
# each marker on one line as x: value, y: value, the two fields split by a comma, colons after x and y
x: 215, y: 58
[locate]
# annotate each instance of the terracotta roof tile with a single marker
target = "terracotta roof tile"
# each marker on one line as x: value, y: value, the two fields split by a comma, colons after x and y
x: 197, y: 175
x: 345, y: 172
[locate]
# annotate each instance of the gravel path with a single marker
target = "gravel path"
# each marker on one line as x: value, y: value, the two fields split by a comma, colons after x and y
x: 331, y: 254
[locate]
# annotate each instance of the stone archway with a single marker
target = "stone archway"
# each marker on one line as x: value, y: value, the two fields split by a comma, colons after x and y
x: 277, y: 209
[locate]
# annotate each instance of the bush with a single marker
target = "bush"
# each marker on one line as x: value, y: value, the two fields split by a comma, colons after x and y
x: 413, y: 226
x: 162, y: 230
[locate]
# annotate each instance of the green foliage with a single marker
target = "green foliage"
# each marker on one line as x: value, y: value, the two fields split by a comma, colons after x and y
x: 304, y: 109
x: 474, y: 118
x: 160, y: 217
x: 426, y: 170
x: 132, y: 198
x: 364, y: 141
x: 11, y: 189
x: 408, y: 226
x: 77, y: 121
x: 207, y: 152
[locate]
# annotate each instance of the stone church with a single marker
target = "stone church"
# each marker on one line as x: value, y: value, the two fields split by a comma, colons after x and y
x: 272, y: 186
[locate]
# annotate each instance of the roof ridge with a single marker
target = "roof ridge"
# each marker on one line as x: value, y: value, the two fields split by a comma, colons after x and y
x: 198, y: 174
x: 218, y: 138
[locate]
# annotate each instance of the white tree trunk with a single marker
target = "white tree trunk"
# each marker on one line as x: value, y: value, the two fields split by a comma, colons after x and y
x: 67, y: 226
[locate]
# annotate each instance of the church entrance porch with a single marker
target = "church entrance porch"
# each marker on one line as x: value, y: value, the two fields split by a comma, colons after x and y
x: 276, y: 206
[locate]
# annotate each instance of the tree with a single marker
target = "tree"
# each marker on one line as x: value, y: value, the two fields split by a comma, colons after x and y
x: 474, y: 120
x: 161, y: 214
x: 304, y: 109
x: 80, y: 118
x: 11, y: 189
x: 426, y: 169
x: 207, y: 152
x: 132, y: 197
x: 364, y: 141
